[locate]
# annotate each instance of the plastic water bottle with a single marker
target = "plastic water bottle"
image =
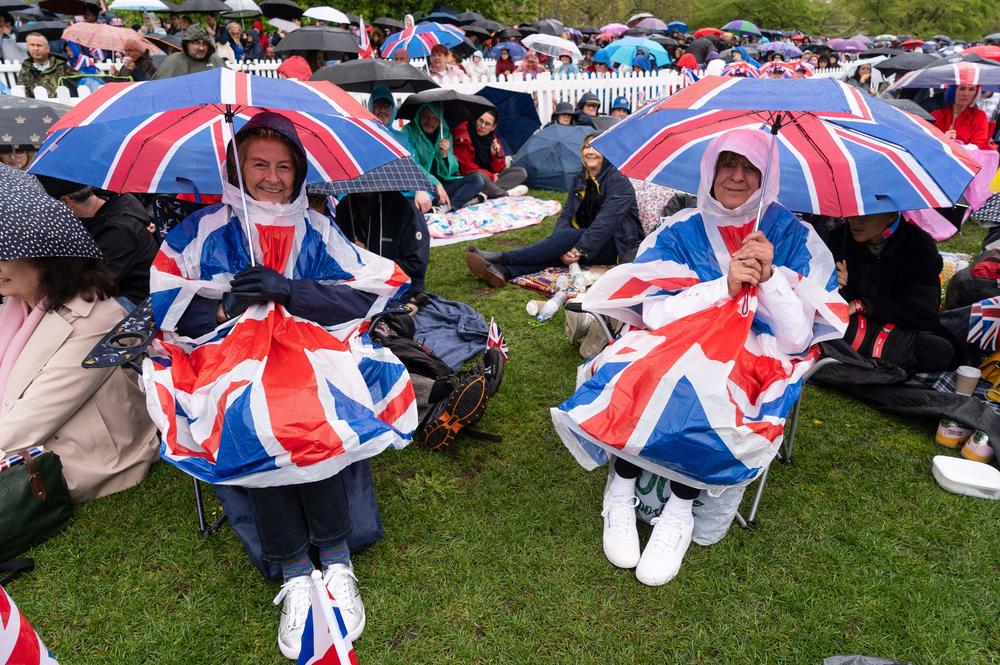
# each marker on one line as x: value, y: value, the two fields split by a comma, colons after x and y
x: 577, y: 277
x: 562, y: 282
x: 552, y: 306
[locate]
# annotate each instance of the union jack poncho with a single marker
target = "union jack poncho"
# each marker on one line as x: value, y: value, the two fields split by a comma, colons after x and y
x: 19, y: 643
x: 696, y: 390
x: 269, y: 398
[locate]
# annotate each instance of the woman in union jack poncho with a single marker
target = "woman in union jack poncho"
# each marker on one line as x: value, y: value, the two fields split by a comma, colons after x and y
x: 264, y: 376
x: 723, y: 323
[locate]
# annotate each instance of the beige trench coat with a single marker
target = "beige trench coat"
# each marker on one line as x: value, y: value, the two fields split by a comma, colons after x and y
x: 94, y: 419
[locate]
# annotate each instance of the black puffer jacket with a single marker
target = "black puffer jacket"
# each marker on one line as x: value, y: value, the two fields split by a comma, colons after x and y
x: 615, y: 218
x: 119, y: 229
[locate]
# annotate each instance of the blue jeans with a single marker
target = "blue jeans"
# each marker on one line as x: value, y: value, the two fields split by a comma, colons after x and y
x: 547, y: 252
x: 464, y: 189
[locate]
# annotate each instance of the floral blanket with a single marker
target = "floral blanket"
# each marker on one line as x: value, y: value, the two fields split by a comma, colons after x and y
x: 485, y: 219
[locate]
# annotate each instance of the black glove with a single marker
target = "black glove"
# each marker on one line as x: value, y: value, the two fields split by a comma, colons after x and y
x: 233, y: 305
x: 260, y: 283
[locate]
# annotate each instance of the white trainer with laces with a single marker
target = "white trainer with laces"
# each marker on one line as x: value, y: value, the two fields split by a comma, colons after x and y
x: 621, y: 538
x: 343, y: 586
x: 661, y: 560
x: 296, y: 596
x: 520, y: 190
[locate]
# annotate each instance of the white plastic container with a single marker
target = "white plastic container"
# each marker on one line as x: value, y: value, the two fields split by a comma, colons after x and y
x: 962, y: 476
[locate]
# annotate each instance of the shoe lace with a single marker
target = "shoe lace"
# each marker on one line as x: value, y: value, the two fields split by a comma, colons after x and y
x: 295, y: 594
x: 620, y: 511
x: 669, y: 535
x: 343, y: 584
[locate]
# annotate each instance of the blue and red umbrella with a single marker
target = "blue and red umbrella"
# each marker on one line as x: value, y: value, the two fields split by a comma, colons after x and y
x: 985, y: 74
x: 421, y: 38
x: 740, y: 68
x: 163, y: 136
x: 842, y: 153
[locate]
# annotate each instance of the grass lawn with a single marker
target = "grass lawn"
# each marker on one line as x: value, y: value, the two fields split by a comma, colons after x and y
x: 493, y: 552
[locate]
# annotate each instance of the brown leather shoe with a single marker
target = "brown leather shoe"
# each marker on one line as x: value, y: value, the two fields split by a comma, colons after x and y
x: 485, y: 270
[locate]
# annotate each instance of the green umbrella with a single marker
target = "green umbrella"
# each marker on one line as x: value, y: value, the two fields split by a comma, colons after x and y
x: 742, y: 27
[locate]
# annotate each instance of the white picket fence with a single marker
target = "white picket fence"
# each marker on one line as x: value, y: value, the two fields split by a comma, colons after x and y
x: 546, y: 90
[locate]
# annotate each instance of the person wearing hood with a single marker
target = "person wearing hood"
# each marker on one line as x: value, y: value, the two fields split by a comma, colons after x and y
x: 197, y: 54
x: 690, y: 269
x: 312, y: 290
x: 531, y: 67
x: 598, y: 225
x: 136, y: 64
x: 476, y: 67
x: 566, y: 65
x: 505, y: 64
x: 960, y: 119
x: 641, y: 63
x: 430, y: 141
x: 740, y: 53
x: 588, y: 107
x: 42, y: 67
x: 564, y: 114
x: 478, y: 150
x: 382, y: 105
x: 700, y: 48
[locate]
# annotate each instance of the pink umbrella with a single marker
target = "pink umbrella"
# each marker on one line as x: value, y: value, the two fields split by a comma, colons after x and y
x: 650, y: 23
x: 107, y: 37
x: 615, y: 28
x: 847, y: 45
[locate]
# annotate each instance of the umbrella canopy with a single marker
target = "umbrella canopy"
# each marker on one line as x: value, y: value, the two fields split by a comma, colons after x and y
x: 169, y: 43
x: 137, y: 6
x: 615, y: 28
x: 242, y: 9
x: 847, y: 45
x: 527, y: 29
x: 13, y: 5
x: 517, y: 116
x: 987, y: 52
x: 401, y: 175
x: 910, y: 106
x: 73, y: 7
x: 34, y: 225
x: 784, y: 48
x: 26, y: 121
x: 635, y: 18
x: 456, y: 105
x: 906, y: 62
x: 650, y: 24
x: 319, y: 38
x: 550, y: 26
x: 202, y: 7
x: 625, y: 49
x: 470, y: 17
x: 382, y: 22
x: 488, y: 25
x: 707, y: 32
x: 552, y: 46
x: 329, y: 15
x: 945, y: 38
x: 841, y: 152
x: 51, y: 30
x: 882, y: 50
x: 742, y: 27
x: 886, y: 38
x: 156, y: 136
x: 985, y: 74
x: 285, y: 9
x: 510, y: 33
x: 283, y: 25
x: 442, y: 16
x: 516, y: 50
x: 107, y: 37
x: 587, y: 30
x: 421, y: 38
x: 362, y: 75
x: 912, y: 43
x: 552, y: 156
x: 678, y: 26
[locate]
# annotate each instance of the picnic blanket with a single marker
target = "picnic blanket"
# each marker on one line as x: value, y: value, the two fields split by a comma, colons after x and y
x: 485, y: 219
x: 545, y: 280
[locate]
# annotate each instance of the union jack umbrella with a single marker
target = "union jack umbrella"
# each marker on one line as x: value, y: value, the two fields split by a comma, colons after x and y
x: 19, y: 643
x: 842, y: 153
x: 985, y: 74
x: 421, y: 38
x: 165, y: 136
x: 770, y: 69
x: 741, y: 68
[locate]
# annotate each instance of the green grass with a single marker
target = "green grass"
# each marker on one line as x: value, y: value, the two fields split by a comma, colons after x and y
x: 492, y: 551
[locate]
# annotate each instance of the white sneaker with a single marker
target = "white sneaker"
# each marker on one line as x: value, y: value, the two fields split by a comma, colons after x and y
x: 296, y: 596
x: 520, y: 190
x: 621, y: 539
x: 343, y: 585
x: 661, y: 560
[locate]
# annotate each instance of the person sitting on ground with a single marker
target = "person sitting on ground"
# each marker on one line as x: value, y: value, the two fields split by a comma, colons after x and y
x: 564, y: 114
x: 960, y: 119
x: 588, y: 107
x: 430, y: 141
x: 121, y: 228
x: 401, y: 55
x: 439, y: 69
x: 505, y: 64
x: 692, y: 269
x: 197, y: 54
x: 620, y: 108
x: 136, y: 64
x: 17, y: 156
x: 480, y: 151
x: 599, y: 225
x: 889, y: 272
x: 56, y: 306
x: 42, y: 67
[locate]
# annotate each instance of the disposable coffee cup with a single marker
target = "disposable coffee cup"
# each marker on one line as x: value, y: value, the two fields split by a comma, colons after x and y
x: 966, y: 379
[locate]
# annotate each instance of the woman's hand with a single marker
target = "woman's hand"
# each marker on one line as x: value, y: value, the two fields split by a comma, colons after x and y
x: 443, y: 145
x: 841, y: 274
x: 495, y: 147
x: 742, y: 272
x: 951, y: 134
x: 758, y: 248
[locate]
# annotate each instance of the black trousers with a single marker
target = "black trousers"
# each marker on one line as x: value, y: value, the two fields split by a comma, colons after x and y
x: 626, y: 469
x: 292, y: 518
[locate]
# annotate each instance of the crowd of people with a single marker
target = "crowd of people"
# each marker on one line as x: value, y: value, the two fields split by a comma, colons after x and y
x: 342, y: 276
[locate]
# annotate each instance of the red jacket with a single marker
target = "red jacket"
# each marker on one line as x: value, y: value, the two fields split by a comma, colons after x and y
x: 466, y: 154
x: 971, y: 126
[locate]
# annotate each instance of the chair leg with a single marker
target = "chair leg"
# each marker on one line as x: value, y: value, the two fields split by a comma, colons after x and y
x: 608, y: 335
x: 785, y: 453
x: 750, y: 521
x: 203, y: 528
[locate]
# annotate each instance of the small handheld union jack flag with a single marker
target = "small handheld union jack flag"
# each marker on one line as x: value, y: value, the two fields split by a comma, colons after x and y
x: 984, y: 322
x: 365, y: 49
x: 496, y: 340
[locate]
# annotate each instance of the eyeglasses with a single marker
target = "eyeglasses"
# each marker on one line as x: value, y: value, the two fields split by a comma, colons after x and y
x: 483, y: 122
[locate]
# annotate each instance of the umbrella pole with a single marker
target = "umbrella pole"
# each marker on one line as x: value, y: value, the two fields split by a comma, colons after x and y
x: 745, y: 304
x: 239, y: 180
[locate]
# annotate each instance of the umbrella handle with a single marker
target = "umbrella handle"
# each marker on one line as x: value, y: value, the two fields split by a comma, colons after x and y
x: 767, y: 169
x: 239, y: 180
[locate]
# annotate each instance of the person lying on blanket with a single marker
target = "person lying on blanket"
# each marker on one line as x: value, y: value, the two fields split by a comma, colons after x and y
x: 599, y: 225
x: 723, y: 327
x: 264, y: 377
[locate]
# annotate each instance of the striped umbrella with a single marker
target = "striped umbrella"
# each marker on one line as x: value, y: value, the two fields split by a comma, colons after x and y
x: 421, y: 38
x: 742, y: 27
x: 985, y: 73
x: 842, y: 152
x: 163, y: 136
x: 740, y: 68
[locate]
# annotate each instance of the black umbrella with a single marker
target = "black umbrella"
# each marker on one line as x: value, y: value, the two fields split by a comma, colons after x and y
x: 588, y: 30
x: 465, y: 48
x: 441, y: 17
x: 663, y: 40
x: 909, y: 106
x: 510, y: 33
x: 470, y: 17
x: 363, y: 75
x: 386, y: 22
x: 318, y: 38
x: 169, y: 43
x: 476, y: 30
x: 352, y: 19
x: 284, y: 9
x: 51, y: 30
x: 72, y: 7
x: 13, y: 5
x: 587, y: 47
x: 946, y: 38
x: 26, y: 121
x: 33, y: 225
x: 456, y: 106
x: 550, y: 26
x: 488, y: 25
x: 203, y: 7
x: 33, y: 12
x: 907, y: 62
x: 882, y: 50
x: 995, y: 37
x: 527, y: 29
